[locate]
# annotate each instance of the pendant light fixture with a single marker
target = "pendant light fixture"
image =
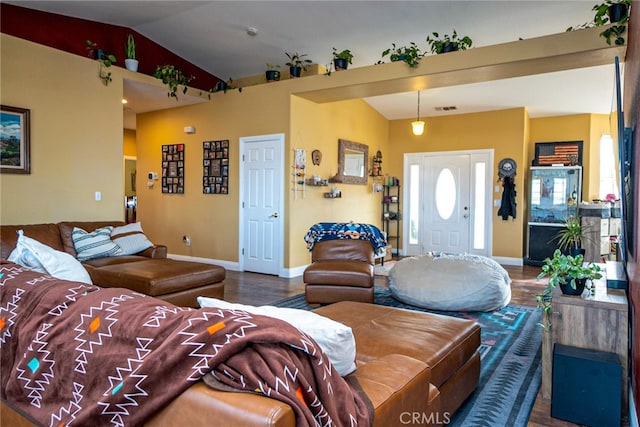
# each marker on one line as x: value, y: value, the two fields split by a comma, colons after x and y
x: 418, y: 125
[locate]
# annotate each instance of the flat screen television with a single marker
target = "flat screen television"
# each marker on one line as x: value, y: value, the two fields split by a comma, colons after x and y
x: 625, y: 153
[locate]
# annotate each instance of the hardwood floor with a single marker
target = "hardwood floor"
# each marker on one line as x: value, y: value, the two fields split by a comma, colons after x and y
x: 260, y: 289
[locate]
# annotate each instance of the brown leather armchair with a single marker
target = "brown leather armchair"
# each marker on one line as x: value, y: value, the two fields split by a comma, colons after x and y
x: 340, y: 270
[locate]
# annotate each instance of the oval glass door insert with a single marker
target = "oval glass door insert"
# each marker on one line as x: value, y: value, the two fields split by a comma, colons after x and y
x: 445, y: 193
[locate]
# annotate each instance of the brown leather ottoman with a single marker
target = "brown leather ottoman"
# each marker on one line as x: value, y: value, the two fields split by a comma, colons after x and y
x: 178, y: 282
x: 448, y: 345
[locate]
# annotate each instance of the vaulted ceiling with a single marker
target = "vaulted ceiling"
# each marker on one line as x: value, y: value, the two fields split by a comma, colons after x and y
x: 214, y: 36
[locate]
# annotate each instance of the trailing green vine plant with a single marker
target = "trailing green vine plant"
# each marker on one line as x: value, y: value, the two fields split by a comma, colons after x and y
x: 411, y: 54
x: 613, y: 34
x: 173, y: 78
x: 562, y: 269
x: 104, y: 61
x: 224, y: 87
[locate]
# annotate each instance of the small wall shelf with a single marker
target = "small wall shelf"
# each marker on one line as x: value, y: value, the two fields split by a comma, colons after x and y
x: 332, y: 195
x: 313, y: 183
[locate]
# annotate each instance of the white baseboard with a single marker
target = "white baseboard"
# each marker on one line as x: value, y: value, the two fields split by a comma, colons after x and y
x: 293, y: 272
x: 287, y: 273
x: 508, y: 261
x: 229, y: 265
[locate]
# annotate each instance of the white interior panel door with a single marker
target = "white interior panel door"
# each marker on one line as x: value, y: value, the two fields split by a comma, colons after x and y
x: 447, y: 212
x: 261, y: 206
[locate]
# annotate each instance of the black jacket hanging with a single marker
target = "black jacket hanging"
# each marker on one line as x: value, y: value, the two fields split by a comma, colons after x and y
x: 508, y: 204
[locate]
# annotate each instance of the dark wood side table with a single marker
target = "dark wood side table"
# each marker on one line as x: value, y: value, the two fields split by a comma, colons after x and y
x: 597, y: 322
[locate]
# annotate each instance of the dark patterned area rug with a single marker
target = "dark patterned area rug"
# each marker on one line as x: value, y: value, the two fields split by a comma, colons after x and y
x: 510, y: 371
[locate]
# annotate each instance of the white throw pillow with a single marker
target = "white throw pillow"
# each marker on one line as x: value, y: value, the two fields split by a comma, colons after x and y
x: 37, y: 256
x: 335, y: 339
x: 130, y: 238
x: 96, y: 244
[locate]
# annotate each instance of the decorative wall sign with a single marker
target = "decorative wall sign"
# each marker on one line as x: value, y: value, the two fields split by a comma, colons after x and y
x: 215, y: 167
x: 558, y: 153
x: 173, y: 168
x: 14, y: 140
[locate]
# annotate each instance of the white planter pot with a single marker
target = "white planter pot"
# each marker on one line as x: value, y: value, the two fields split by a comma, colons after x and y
x: 131, y: 64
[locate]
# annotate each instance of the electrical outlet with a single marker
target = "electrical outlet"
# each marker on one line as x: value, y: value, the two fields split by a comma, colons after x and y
x: 186, y: 240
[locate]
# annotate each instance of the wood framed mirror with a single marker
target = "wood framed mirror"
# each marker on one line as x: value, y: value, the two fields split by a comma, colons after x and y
x: 353, y: 159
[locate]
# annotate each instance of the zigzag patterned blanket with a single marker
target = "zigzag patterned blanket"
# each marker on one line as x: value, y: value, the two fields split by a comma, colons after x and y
x: 76, y: 354
x: 346, y: 230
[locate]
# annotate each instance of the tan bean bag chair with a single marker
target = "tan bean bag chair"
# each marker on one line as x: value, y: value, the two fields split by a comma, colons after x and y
x: 458, y: 282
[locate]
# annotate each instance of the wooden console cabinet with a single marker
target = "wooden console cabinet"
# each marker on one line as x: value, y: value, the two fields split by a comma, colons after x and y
x: 597, y: 322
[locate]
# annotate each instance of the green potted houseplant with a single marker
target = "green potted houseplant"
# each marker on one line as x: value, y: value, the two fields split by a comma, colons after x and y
x: 567, y: 272
x: 104, y: 61
x: 570, y: 237
x: 173, y: 78
x: 448, y: 43
x: 615, y: 12
x: 411, y: 54
x: 342, y: 59
x: 273, y: 73
x: 131, y: 63
x: 297, y: 63
x: 222, y: 86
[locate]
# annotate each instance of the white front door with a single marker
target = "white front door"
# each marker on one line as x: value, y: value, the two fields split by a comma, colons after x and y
x: 261, y: 185
x: 448, y: 202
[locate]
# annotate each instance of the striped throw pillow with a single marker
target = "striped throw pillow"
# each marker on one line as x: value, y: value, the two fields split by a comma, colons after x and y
x: 130, y: 238
x: 96, y: 244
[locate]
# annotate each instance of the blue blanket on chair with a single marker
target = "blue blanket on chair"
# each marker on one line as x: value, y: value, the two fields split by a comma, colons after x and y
x: 346, y: 230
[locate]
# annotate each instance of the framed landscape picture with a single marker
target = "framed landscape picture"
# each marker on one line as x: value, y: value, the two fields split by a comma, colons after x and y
x: 14, y: 140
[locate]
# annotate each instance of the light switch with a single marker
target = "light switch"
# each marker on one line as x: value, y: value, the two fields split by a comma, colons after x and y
x: 98, y: 196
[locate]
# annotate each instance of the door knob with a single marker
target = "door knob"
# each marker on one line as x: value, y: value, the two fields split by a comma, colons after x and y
x: 274, y: 215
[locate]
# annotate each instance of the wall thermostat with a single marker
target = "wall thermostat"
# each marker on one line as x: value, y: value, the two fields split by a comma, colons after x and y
x: 152, y: 175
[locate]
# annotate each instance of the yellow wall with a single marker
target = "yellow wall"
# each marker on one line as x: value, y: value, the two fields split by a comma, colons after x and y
x: 503, y: 131
x: 211, y: 220
x: 319, y: 126
x: 76, y: 136
x: 129, y: 138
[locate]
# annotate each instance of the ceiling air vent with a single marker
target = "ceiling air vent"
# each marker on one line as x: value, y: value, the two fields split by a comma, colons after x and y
x: 449, y: 108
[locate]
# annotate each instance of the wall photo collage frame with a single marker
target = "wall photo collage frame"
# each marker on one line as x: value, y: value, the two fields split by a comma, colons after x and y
x: 215, y: 167
x: 173, y: 168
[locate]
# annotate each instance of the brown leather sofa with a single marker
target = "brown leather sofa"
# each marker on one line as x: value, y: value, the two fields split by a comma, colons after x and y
x: 149, y: 272
x: 416, y: 369
x: 340, y: 270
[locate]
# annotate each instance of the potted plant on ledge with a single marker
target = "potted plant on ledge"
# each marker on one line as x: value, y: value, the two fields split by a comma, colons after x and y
x: 448, y: 43
x: 173, y: 78
x: 131, y: 63
x: 273, y: 73
x: 411, y: 54
x: 297, y: 63
x: 341, y: 60
x: 104, y: 61
x: 615, y: 12
x: 569, y: 273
